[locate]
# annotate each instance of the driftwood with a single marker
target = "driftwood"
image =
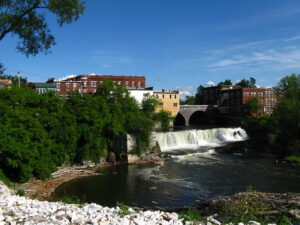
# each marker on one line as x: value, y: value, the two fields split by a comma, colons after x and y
x: 276, y: 202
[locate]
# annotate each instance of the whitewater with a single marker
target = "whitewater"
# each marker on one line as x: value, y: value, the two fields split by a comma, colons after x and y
x: 195, y: 139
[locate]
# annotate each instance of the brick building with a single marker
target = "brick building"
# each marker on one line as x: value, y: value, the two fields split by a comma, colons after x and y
x: 211, y: 95
x: 89, y: 83
x: 232, y: 99
x: 169, y: 100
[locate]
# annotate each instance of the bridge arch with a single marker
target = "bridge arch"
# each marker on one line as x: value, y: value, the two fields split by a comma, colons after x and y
x: 188, y: 110
x: 199, y: 118
x: 179, y: 120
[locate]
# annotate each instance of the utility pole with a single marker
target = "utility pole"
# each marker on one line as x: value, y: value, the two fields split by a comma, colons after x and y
x: 19, y: 81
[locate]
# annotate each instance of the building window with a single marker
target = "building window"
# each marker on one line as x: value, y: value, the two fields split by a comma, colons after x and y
x: 175, y: 96
x: 132, y: 84
x: 84, y: 84
x: 68, y: 87
x: 175, y: 104
x: 139, y: 84
x: 74, y: 86
x: 119, y: 82
x: 163, y: 96
x: 94, y: 83
x: 170, y: 96
x: 126, y: 84
x: 58, y: 86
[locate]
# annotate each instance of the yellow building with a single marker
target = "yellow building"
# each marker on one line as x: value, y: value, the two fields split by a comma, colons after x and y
x: 169, y: 100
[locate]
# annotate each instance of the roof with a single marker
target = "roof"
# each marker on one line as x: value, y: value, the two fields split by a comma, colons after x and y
x: 44, y: 85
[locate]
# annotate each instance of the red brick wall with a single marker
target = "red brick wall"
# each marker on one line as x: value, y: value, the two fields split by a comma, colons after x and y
x: 92, y: 82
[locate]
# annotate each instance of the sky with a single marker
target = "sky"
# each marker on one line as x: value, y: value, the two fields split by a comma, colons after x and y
x: 176, y: 44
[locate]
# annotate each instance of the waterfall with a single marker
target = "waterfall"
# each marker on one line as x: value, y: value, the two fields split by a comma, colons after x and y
x: 194, y: 139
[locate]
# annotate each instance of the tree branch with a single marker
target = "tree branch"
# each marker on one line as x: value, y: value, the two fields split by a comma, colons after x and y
x: 19, y: 19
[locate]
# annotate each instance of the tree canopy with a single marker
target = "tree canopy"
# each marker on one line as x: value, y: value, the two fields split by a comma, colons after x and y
x: 39, y: 132
x: 26, y: 19
x: 279, y: 132
x: 251, y: 83
x: 225, y: 82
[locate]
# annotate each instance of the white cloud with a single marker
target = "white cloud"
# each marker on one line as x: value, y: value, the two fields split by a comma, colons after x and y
x: 210, y: 83
x: 293, y: 38
x: 186, y: 91
x: 66, y: 77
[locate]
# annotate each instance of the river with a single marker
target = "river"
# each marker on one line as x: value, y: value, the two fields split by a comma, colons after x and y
x: 194, y: 171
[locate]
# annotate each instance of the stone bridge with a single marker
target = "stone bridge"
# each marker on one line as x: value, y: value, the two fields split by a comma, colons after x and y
x: 188, y: 110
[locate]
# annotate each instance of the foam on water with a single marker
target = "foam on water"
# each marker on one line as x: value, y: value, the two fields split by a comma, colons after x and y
x: 195, y: 139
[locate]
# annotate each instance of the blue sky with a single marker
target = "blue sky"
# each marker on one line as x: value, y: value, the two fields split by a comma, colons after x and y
x: 174, y: 43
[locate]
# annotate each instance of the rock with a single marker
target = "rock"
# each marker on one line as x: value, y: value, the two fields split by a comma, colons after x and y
x: 111, y: 157
x: 252, y: 222
x: 213, y: 220
x: 295, y: 213
x: 133, y: 158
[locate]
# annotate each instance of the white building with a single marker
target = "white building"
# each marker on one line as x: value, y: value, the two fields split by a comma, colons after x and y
x: 140, y: 94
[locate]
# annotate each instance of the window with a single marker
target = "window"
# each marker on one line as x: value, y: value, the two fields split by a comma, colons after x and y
x: 126, y: 84
x: 132, y: 84
x: 170, y: 96
x: 84, y: 84
x: 68, y: 87
x: 175, y: 104
x: 58, y: 86
x: 175, y: 96
x: 74, y: 86
x: 139, y: 84
x: 163, y: 96
x: 94, y: 83
x: 119, y: 82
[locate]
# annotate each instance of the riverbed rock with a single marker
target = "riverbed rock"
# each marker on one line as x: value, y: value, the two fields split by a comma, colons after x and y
x: 295, y: 213
x: 111, y: 157
x: 252, y: 222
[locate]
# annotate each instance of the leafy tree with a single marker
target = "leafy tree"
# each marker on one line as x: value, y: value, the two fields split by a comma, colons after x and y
x: 26, y: 19
x: 189, y: 100
x: 148, y: 106
x: 164, y: 118
x: 251, y: 83
x: 252, y: 106
x: 2, y: 69
x: 226, y: 82
x: 199, y: 95
x: 279, y: 132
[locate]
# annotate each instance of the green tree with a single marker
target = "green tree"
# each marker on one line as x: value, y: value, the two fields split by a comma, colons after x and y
x: 251, y: 83
x: 226, y: 82
x: 189, y: 100
x: 164, y: 118
x: 252, y: 106
x: 199, y: 95
x: 26, y: 19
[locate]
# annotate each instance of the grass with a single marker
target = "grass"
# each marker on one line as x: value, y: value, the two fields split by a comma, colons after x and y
x: 20, y: 192
x: 10, y: 213
x: 124, y: 209
x: 191, y: 214
x: 293, y: 158
x: 4, y: 179
x: 68, y: 199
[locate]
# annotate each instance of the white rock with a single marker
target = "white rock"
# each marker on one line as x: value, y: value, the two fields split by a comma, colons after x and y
x: 252, y: 222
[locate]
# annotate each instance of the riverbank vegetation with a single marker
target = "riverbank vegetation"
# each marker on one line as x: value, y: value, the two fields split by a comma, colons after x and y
x: 246, y: 206
x: 280, y: 132
x: 40, y: 132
